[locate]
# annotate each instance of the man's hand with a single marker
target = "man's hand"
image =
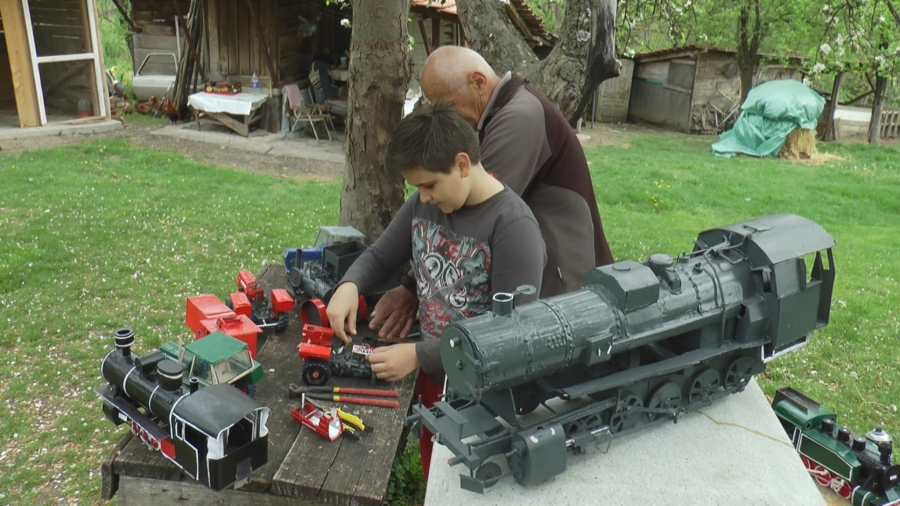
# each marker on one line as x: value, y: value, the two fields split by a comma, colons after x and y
x: 393, y: 363
x: 342, y: 309
x: 397, y: 311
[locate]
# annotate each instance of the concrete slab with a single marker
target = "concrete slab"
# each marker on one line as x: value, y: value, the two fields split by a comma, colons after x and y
x: 51, y: 130
x: 733, y: 453
x: 262, y: 142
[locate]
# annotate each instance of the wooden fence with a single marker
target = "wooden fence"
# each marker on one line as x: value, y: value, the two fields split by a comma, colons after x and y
x: 890, y: 123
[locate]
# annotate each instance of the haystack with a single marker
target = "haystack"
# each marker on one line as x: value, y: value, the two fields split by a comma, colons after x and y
x: 800, y: 143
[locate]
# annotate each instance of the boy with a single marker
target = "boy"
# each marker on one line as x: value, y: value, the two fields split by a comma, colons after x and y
x: 468, y: 235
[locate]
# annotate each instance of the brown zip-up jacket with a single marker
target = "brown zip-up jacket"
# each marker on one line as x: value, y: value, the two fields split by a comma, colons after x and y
x: 529, y: 145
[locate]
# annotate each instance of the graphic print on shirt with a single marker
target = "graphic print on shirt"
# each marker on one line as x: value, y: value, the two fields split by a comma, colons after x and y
x: 452, y: 275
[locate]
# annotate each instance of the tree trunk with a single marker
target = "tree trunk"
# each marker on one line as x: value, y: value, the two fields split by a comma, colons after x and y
x: 877, y: 106
x: 379, y: 77
x: 749, y: 35
x: 582, y: 59
x: 832, y: 107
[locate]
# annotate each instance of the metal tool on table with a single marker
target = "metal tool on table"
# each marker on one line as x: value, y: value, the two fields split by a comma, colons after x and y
x: 325, y: 393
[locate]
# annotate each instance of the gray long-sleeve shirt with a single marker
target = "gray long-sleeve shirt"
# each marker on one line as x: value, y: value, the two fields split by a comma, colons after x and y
x: 459, y: 260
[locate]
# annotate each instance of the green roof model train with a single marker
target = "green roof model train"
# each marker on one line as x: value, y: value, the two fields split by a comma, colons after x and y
x: 858, y: 468
x: 640, y: 342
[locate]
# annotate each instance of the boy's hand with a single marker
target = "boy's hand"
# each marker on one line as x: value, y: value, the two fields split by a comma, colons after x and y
x: 342, y: 309
x: 393, y: 363
x: 397, y: 310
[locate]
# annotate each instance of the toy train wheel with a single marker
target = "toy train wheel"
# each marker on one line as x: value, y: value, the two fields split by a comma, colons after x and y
x: 819, y: 473
x: 840, y: 487
x: 489, y: 473
x: 295, y: 277
x: 627, y: 414
x: 666, y: 396
x: 316, y: 372
x: 738, y: 373
x: 704, y: 384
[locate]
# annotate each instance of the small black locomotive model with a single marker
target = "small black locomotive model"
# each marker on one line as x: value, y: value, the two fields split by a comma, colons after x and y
x: 641, y: 341
x: 216, y: 435
x: 858, y: 468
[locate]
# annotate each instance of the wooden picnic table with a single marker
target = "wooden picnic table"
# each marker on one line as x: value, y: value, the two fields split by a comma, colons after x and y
x: 303, y: 467
x: 236, y: 112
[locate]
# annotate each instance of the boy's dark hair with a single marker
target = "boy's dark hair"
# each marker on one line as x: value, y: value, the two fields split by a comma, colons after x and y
x: 430, y: 137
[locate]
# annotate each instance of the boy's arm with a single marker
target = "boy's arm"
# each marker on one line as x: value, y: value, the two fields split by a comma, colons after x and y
x: 389, y: 252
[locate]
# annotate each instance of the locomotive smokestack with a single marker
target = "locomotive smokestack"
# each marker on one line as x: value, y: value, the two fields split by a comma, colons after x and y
x: 124, y: 339
x: 195, y: 385
x: 170, y: 375
x: 504, y: 303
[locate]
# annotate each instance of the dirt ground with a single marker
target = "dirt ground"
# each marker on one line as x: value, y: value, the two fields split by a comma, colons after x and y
x: 137, y: 131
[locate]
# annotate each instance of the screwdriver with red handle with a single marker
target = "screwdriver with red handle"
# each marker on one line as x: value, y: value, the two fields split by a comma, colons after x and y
x: 365, y: 401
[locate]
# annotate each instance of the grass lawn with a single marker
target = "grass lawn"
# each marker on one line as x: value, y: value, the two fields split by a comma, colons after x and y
x: 101, y: 235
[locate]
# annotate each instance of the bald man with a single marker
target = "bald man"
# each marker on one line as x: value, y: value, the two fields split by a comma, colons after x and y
x: 528, y: 144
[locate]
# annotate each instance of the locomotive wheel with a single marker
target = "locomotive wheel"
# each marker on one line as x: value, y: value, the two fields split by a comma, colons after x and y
x: 738, y: 373
x: 525, y: 402
x: 489, y: 473
x: 627, y: 415
x: 316, y: 372
x: 295, y: 277
x: 704, y: 384
x: 819, y: 473
x: 666, y: 396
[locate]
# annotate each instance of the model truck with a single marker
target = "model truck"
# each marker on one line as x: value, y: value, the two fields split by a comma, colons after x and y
x: 314, y: 272
x: 217, y: 358
x: 206, y: 314
x: 321, y: 361
x: 251, y: 300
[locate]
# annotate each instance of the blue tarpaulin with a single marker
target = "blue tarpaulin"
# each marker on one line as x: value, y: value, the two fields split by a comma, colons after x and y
x: 772, y: 111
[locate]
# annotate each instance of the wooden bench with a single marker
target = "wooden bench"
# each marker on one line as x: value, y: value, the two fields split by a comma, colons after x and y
x: 303, y: 467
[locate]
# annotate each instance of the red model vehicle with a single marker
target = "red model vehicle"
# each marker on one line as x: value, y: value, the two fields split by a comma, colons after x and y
x: 326, y: 423
x: 206, y: 314
x: 251, y: 300
x: 320, y: 361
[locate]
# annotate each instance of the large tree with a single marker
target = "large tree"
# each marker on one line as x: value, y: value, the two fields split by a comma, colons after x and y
x: 584, y: 57
x: 379, y: 77
x: 861, y: 36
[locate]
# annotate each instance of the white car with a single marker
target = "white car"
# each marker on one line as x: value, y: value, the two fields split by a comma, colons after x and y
x: 155, y: 77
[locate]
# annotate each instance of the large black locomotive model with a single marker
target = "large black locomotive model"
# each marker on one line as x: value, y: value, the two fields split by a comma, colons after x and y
x: 639, y: 341
x: 216, y: 435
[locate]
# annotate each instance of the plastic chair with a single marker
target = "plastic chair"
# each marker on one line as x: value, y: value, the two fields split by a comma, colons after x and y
x: 302, y: 109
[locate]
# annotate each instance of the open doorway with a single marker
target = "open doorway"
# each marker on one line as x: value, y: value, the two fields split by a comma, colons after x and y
x: 8, y: 116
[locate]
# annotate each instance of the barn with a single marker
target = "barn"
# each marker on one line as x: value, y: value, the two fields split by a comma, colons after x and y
x: 697, y: 89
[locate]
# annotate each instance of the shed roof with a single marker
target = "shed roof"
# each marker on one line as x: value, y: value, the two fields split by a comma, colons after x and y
x: 692, y: 49
x: 530, y: 20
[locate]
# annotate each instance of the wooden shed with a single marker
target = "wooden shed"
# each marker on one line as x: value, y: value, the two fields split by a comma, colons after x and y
x: 295, y: 32
x: 696, y: 89
x: 51, y: 67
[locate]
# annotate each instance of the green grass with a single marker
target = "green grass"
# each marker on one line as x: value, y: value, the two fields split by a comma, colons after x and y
x: 100, y: 235
x: 657, y: 193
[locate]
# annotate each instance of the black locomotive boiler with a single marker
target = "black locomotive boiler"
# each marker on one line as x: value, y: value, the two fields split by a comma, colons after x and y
x: 640, y: 342
x: 216, y: 435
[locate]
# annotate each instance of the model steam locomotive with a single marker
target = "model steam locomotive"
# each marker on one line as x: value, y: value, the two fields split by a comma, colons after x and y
x: 640, y: 342
x: 858, y: 468
x: 216, y: 435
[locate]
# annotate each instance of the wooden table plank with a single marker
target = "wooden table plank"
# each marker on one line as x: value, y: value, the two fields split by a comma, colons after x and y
x: 301, y: 464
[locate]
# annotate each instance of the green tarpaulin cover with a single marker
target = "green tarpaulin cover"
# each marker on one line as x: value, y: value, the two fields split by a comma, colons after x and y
x: 772, y: 111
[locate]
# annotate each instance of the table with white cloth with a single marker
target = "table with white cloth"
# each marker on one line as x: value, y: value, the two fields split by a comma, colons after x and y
x: 236, y: 112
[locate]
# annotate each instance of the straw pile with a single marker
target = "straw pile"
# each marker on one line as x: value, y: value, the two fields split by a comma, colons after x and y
x: 800, y: 144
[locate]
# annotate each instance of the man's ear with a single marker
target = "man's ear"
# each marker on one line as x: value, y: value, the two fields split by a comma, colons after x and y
x: 478, y: 80
x: 464, y: 164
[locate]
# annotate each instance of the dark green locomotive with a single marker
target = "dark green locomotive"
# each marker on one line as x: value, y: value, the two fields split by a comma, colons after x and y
x: 858, y: 468
x: 641, y: 341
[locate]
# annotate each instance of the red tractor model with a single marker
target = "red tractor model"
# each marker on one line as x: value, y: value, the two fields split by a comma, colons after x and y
x: 206, y: 314
x: 320, y: 361
x: 251, y: 300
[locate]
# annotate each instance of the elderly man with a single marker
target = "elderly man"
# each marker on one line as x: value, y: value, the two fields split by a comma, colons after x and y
x: 528, y: 144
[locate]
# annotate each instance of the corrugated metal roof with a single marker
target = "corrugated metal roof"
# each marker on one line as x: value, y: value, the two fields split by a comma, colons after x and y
x: 701, y: 48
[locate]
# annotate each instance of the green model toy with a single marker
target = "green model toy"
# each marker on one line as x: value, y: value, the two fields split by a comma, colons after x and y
x: 217, y: 358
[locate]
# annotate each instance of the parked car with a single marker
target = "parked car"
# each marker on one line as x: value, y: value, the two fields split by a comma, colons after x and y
x: 155, y: 77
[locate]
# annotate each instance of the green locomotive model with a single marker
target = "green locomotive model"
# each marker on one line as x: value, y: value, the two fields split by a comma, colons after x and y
x: 858, y: 468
